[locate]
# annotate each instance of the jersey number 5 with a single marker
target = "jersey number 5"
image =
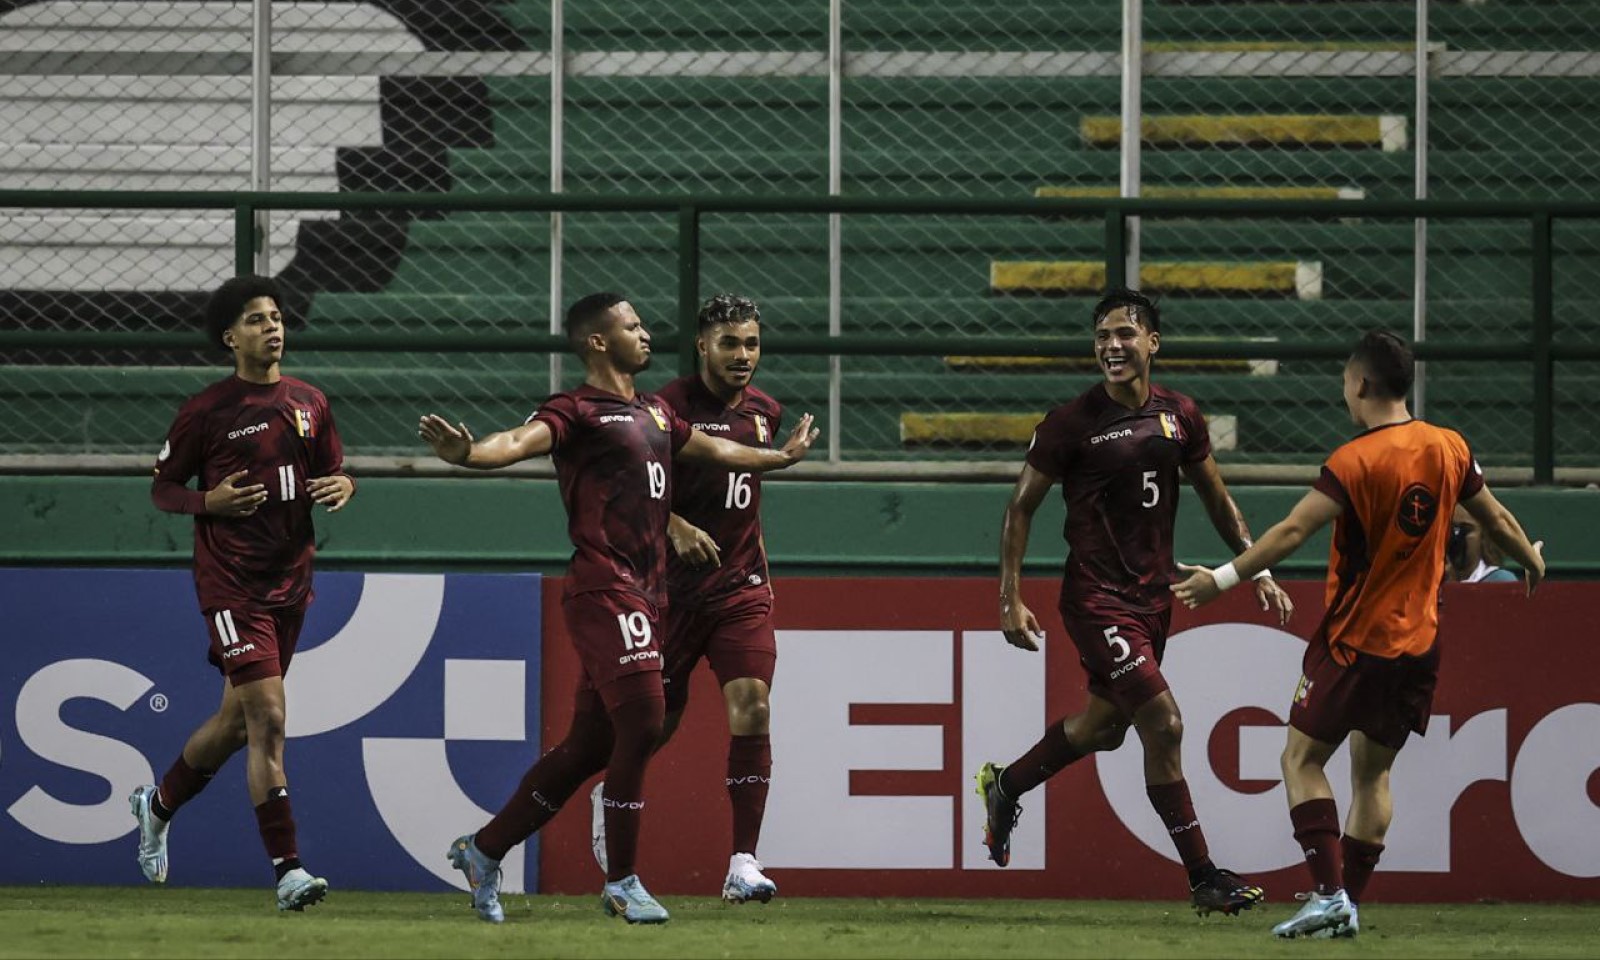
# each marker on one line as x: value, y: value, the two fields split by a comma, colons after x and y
x: 1116, y: 643
x: 1151, y: 494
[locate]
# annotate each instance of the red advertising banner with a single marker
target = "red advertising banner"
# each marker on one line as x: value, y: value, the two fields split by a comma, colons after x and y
x: 891, y: 692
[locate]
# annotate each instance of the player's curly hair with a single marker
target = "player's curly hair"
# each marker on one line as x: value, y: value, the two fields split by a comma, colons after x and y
x: 1388, y: 363
x: 228, y: 302
x: 1141, y: 309
x: 728, y: 308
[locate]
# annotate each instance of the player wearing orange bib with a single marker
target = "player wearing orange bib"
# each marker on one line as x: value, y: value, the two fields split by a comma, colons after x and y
x: 1370, y: 668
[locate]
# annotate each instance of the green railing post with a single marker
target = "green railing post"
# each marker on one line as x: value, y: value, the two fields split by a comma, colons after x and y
x: 1544, y: 394
x: 1116, y: 248
x: 244, y: 239
x: 688, y: 287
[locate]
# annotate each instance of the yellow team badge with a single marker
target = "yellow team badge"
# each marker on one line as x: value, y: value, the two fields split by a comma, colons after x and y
x: 660, y: 418
x: 762, y: 433
x: 303, y: 424
x: 1169, y: 427
x: 1302, y: 690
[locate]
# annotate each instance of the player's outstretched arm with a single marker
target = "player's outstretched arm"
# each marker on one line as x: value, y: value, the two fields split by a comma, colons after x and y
x: 1502, y: 526
x: 1230, y: 525
x: 455, y: 443
x: 1017, y: 622
x: 700, y: 448
x: 1314, y: 511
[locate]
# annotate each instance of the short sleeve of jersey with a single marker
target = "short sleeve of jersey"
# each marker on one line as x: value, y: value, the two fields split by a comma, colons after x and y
x: 1196, y: 434
x: 1334, y: 481
x: 773, y: 411
x: 560, y: 414
x: 1052, y: 445
x: 180, y: 456
x: 678, y: 427
x: 330, y: 449
x: 1472, y: 478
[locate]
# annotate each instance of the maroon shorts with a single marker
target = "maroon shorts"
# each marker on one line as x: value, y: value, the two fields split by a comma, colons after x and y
x: 735, y: 636
x: 252, y: 644
x: 1120, y: 650
x: 1385, y: 699
x: 616, y: 634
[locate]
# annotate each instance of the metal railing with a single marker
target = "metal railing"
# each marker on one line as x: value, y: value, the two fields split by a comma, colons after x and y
x: 1537, y: 348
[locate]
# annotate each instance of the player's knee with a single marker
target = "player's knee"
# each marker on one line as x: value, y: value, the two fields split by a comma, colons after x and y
x: 1165, y: 730
x: 235, y: 734
x: 266, y: 723
x: 750, y: 717
x: 1110, y: 738
x: 1295, y: 761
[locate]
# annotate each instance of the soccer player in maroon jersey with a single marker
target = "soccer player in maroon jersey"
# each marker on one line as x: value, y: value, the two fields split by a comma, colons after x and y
x: 719, y: 599
x: 613, y: 448
x: 1118, y: 450
x: 265, y: 450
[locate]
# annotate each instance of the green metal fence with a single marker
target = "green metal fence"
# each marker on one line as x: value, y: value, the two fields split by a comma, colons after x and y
x: 1537, y: 346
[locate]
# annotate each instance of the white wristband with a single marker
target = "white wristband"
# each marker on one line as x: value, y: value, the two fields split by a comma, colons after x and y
x: 1262, y: 575
x: 1227, y: 578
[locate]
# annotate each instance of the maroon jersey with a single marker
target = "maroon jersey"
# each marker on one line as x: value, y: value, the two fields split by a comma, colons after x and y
x: 613, y: 459
x: 726, y: 504
x: 1119, y: 477
x: 283, y: 435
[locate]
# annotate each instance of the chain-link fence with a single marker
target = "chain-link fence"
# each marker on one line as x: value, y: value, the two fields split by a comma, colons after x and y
x: 949, y: 97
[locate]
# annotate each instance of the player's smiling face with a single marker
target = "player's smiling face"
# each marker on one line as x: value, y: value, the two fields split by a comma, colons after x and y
x: 732, y: 351
x: 627, y: 341
x: 1123, y: 346
x: 256, y: 338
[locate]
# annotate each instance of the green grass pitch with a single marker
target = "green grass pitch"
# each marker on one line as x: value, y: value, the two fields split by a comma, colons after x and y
x: 56, y: 922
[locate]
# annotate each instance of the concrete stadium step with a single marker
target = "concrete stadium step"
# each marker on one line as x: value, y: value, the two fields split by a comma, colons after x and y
x: 1298, y: 279
x: 80, y: 250
x: 1386, y: 132
x: 198, y: 27
x: 313, y: 111
x: 127, y: 166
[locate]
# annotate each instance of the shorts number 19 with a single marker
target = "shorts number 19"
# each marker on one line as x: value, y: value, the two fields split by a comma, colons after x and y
x: 635, y: 630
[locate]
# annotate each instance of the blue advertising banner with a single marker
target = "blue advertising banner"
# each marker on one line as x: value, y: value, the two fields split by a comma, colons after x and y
x: 413, y: 709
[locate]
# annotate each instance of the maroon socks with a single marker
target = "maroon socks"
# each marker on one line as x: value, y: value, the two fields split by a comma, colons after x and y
x: 1360, y: 859
x: 1043, y: 760
x: 275, y: 819
x: 749, y: 777
x: 1176, y: 810
x: 178, y: 787
x: 1316, y: 829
